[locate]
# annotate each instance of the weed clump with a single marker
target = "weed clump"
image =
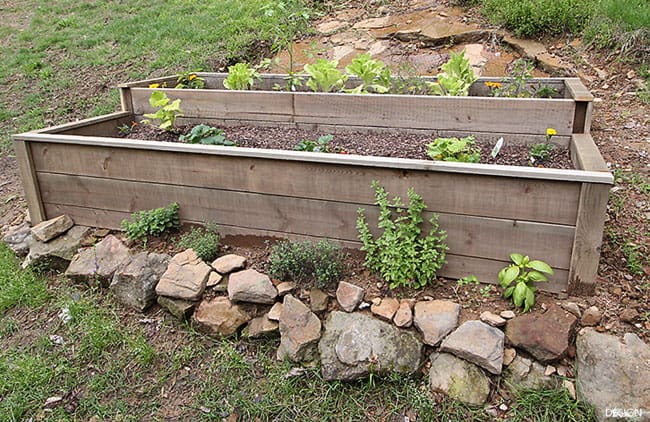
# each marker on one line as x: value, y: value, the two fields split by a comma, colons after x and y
x: 152, y: 223
x: 204, y: 241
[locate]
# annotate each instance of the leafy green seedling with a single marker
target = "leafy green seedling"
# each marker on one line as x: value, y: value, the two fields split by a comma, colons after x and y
x: 322, y: 145
x: 206, y: 135
x: 324, y: 76
x: 241, y: 77
x: 523, y: 273
x: 152, y: 223
x: 456, y: 78
x: 454, y: 149
x: 189, y: 80
x: 167, y: 111
x: 374, y: 75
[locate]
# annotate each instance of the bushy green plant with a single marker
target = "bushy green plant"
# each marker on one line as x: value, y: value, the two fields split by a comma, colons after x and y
x: 321, y: 145
x: 318, y: 264
x: 151, y: 223
x: 241, y: 77
x: 456, y: 78
x: 540, y: 152
x: 203, y: 240
x: 523, y: 273
x: 324, y: 76
x: 167, y: 111
x: 373, y: 73
x: 189, y: 80
x: 454, y: 149
x: 206, y: 135
x: 401, y: 255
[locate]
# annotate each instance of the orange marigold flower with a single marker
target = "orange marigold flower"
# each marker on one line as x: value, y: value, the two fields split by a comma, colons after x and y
x: 493, y: 84
x: 154, y: 85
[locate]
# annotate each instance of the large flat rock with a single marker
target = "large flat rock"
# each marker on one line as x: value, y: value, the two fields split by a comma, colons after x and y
x: 98, y: 263
x: 219, y: 316
x: 50, y: 229
x: 56, y: 254
x: 459, y: 379
x: 251, y: 286
x: 185, y: 278
x: 134, y: 284
x: 435, y: 319
x: 478, y: 343
x: 300, y: 330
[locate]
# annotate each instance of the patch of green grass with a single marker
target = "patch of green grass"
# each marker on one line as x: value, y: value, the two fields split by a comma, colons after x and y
x: 620, y: 24
x: 635, y: 257
x: 528, y: 18
x: 17, y: 287
x: 549, y: 405
x: 635, y: 179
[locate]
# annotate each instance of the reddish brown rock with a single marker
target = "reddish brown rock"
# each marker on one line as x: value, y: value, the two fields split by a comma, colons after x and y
x: 185, y: 277
x: 229, y: 263
x: 300, y: 330
x: 545, y: 336
x: 349, y: 296
x: 404, y: 316
x: 435, y: 319
x: 48, y: 230
x: 318, y: 300
x: 591, y: 316
x: 219, y: 316
x: 386, y: 309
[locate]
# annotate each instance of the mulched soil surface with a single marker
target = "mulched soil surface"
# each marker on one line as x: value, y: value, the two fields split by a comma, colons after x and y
x: 396, y: 145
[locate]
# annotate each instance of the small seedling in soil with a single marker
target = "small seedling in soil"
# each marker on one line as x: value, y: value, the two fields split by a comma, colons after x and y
x: 523, y: 272
x: 167, y: 111
x: 151, y: 223
x: 189, y: 80
x: 206, y: 135
x: 454, y: 149
x: 542, y: 151
x: 321, y: 145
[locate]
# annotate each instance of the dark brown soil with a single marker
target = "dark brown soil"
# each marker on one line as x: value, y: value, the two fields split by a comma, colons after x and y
x: 396, y: 145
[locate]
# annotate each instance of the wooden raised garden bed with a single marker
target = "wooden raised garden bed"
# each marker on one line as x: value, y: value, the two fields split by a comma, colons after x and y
x: 84, y: 170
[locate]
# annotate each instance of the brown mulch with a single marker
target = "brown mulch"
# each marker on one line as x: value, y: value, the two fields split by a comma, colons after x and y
x: 379, y: 144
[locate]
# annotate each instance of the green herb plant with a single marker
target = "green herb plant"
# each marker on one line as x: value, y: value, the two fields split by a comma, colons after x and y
x: 204, y: 241
x: 321, y: 145
x: 518, y: 85
x: 151, y: 223
x: 374, y: 75
x: 542, y: 151
x: 454, y: 149
x: 324, y: 76
x: 407, y: 81
x: 456, y: 78
x: 401, y: 254
x: 523, y: 273
x: 241, y: 77
x: 189, y: 80
x: 206, y: 135
x: 318, y: 264
x: 167, y: 111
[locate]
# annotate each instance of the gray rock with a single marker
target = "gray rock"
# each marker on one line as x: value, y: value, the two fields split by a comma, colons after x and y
x: 435, y: 319
x: 19, y: 239
x: 478, y: 343
x: 458, y: 379
x: 612, y: 374
x: 545, y: 336
x: 251, y: 286
x: 50, y: 229
x: 275, y: 312
x: 213, y: 279
x: 318, y: 300
x: 507, y: 314
x: 300, y: 330
x: 349, y: 296
x: 185, y: 278
x: 386, y: 308
x: 219, y: 316
x: 492, y: 319
x: 134, y: 284
x: 98, y: 263
x: 524, y: 373
x: 181, y: 309
x: 262, y: 327
x: 354, y: 345
x: 229, y: 263
x: 56, y: 254
x: 591, y: 316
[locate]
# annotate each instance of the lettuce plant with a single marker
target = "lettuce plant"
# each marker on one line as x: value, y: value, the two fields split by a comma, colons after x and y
x: 324, y: 76
x: 456, y: 78
x: 454, y: 149
x: 241, y: 77
x: 374, y: 74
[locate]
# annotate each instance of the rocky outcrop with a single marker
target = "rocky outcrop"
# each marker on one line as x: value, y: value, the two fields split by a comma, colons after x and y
x: 98, y: 263
x: 134, y: 284
x: 613, y: 375
x: 354, y: 345
x: 458, y: 379
x: 185, y: 278
x: 251, y: 286
x: 435, y: 319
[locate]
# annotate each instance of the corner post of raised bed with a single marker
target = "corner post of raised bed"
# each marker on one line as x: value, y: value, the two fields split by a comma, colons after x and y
x: 30, y: 182
x: 583, y: 105
x: 126, y: 99
x: 592, y: 212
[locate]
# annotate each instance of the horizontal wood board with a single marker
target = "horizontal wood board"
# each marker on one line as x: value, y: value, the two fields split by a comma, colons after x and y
x: 481, y: 114
x: 468, y: 194
x: 457, y: 265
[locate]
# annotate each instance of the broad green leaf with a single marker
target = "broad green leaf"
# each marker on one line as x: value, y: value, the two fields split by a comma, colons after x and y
x: 517, y: 258
x: 508, y: 292
x: 511, y: 274
x: 158, y: 99
x: 519, y: 294
x: 530, y: 299
x: 540, y: 266
x: 536, y: 276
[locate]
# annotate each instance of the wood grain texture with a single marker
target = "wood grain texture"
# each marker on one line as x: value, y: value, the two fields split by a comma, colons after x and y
x: 457, y: 266
x: 467, y: 235
x: 586, y: 156
x: 487, y: 196
x: 585, y: 253
x: 30, y: 181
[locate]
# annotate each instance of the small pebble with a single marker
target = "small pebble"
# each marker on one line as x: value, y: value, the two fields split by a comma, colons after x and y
x: 507, y: 314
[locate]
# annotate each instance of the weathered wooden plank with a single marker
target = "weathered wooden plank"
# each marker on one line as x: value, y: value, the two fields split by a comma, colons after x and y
x: 467, y: 235
x: 30, y: 181
x: 487, y: 196
x: 585, y: 154
x: 457, y: 266
x: 200, y: 103
x: 511, y: 115
x: 578, y: 91
x: 588, y: 238
x: 91, y: 124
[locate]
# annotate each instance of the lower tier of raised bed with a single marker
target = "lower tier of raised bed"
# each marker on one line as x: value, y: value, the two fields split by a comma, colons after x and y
x: 82, y: 169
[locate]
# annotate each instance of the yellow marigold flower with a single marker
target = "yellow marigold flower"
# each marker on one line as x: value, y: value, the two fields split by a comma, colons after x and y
x: 154, y: 85
x: 192, y: 77
x: 551, y: 132
x: 493, y: 84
